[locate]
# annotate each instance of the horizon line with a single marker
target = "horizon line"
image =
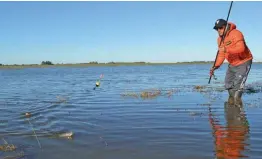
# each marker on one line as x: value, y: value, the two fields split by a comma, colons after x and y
x: 114, y: 62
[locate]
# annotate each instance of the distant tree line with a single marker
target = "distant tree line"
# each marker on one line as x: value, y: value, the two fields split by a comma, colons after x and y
x: 93, y: 62
x: 46, y: 63
x: 196, y: 62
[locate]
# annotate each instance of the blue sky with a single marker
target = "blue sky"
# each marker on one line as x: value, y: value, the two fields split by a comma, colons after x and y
x: 74, y: 32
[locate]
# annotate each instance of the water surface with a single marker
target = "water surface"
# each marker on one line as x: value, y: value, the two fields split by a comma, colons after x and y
x: 186, y: 124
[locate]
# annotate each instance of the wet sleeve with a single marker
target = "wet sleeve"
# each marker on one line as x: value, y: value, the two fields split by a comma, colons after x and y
x: 239, y: 44
x: 220, y: 57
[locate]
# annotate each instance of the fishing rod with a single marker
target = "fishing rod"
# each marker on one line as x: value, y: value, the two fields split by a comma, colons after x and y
x: 223, y: 37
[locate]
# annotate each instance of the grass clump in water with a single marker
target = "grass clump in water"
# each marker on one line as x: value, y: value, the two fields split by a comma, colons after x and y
x: 61, y: 99
x: 149, y: 94
x: 7, y: 147
x: 68, y: 135
x: 199, y: 88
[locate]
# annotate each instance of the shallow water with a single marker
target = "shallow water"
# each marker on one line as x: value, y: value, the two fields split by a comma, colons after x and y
x: 186, y: 124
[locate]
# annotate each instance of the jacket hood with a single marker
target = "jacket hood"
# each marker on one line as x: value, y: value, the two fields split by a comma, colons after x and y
x: 232, y: 26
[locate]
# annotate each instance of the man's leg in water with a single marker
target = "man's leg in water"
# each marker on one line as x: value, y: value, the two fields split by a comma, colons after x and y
x: 235, y: 81
x: 239, y: 83
x: 229, y: 81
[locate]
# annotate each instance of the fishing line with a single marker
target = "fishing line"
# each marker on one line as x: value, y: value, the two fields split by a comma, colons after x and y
x: 34, y: 133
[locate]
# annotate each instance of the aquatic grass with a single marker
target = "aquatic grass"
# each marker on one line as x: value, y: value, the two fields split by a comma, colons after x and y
x: 7, y: 147
x: 17, y: 156
x: 149, y: 93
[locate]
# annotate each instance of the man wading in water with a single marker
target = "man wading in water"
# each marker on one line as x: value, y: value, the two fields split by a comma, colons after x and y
x: 239, y: 57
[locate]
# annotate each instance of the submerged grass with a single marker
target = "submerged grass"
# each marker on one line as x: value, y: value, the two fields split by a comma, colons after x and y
x: 149, y: 93
x: 211, y: 92
x: 17, y: 156
x: 7, y: 147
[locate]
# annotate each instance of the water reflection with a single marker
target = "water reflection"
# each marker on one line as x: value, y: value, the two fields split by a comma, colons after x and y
x: 230, y: 140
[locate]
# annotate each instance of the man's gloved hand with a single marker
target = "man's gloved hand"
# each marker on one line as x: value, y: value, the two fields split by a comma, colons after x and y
x: 212, y: 70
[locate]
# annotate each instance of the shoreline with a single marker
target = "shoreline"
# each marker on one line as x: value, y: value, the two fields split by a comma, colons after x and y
x: 101, y: 64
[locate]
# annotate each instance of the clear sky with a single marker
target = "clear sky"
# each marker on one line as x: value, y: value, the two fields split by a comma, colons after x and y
x: 78, y: 32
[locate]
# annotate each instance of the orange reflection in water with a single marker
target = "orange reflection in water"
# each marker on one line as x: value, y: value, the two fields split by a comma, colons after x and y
x: 230, y: 139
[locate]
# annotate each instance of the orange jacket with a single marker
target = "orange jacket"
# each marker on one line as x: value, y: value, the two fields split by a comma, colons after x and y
x: 237, y: 51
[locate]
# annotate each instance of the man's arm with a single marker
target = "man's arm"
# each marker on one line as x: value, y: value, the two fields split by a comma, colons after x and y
x: 239, y: 44
x: 220, y: 57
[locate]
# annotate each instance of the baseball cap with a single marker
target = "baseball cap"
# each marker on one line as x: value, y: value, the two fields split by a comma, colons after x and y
x: 219, y: 23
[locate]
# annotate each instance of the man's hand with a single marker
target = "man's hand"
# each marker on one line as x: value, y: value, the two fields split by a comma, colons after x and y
x: 212, y: 70
x: 222, y: 49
